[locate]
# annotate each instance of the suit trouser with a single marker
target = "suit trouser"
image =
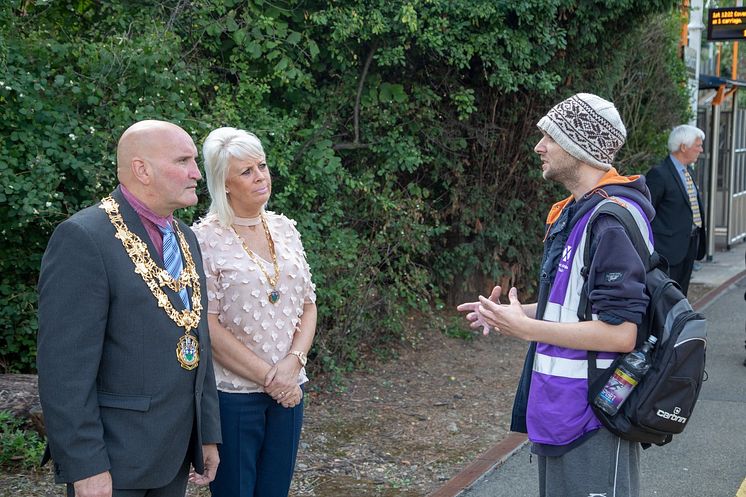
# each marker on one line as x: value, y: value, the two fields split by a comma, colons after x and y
x: 260, y: 443
x: 681, y: 273
x: 176, y: 488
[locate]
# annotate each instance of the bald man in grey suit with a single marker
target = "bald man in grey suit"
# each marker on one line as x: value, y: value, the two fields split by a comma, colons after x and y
x: 125, y: 368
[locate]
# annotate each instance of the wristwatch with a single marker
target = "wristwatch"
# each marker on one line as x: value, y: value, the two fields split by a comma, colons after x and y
x: 301, y: 357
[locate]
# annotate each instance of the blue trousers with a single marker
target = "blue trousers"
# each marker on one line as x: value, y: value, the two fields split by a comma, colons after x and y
x: 260, y: 443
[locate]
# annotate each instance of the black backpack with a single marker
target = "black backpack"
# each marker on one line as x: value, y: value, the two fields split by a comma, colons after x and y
x: 662, y: 403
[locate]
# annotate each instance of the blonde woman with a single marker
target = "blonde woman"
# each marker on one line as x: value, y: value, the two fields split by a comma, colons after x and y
x: 262, y: 318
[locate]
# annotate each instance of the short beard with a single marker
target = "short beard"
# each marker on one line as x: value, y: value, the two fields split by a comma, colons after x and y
x: 568, y: 174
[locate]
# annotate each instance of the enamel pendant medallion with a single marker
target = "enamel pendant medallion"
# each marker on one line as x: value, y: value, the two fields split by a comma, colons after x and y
x: 274, y: 297
x: 187, y: 351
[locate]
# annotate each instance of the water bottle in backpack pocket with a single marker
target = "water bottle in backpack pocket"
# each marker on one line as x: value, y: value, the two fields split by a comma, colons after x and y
x: 627, y: 375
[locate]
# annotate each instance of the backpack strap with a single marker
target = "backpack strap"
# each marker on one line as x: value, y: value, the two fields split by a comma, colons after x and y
x: 596, y: 376
x: 625, y: 218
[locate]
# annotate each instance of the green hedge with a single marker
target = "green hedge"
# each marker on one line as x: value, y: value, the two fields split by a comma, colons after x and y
x: 399, y: 134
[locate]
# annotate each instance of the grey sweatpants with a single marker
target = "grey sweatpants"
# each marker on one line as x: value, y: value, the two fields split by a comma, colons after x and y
x: 602, y: 466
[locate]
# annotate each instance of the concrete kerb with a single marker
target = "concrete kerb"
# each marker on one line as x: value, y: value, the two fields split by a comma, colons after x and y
x: 710, y: 296
x: 482, y: 465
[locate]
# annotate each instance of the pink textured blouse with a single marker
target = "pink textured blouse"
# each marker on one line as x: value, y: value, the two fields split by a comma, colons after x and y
x: 238, y: 292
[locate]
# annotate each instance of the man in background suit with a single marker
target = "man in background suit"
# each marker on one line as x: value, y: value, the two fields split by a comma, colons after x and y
x: 125, y: 369
x: 679, y: 222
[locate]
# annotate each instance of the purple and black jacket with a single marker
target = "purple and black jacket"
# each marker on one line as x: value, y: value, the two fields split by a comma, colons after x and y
x: 551, y: 402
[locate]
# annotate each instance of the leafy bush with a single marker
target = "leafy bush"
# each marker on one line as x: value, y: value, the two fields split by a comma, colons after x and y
x: 64, y: 100
x: 399, y: 134
x: 20, y: 447
x: 640, y: 88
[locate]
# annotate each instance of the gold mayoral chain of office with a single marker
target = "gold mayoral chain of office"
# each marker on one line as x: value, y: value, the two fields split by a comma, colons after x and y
x: 156, y: 277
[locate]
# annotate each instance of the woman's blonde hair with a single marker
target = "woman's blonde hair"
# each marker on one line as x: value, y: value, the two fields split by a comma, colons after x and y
x: 219, y: 146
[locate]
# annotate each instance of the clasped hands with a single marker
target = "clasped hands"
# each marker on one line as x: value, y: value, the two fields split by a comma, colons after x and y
x: 281, y: 382
x: 488, y: 313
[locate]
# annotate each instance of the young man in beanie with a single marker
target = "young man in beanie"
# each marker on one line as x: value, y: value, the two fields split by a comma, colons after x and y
x: 576, y: 455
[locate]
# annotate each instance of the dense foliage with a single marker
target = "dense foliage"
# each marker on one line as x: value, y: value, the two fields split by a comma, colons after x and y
x: 20, y: 446
x: 399, y: 134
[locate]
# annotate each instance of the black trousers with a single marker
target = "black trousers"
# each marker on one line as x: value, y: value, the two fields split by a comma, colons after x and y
x: 681, y: 273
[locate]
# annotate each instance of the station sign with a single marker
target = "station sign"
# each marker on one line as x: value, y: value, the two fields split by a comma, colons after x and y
x: 725, y: 24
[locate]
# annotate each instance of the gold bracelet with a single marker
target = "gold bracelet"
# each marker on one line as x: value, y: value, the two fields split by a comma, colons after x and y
x: 302, y: 357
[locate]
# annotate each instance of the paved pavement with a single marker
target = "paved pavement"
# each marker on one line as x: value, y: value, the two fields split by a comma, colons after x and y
x: 709, y: 458
x: 724, y: 265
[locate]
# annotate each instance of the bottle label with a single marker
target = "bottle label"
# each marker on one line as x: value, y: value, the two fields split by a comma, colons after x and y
x: 617, y: 389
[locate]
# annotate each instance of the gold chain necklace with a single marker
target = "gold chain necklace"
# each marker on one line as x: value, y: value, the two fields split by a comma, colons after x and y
x: 187, y: 349
x: 274, y: 295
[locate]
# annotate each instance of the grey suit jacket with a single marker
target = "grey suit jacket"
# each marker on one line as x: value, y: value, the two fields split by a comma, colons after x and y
x: 113, y: 394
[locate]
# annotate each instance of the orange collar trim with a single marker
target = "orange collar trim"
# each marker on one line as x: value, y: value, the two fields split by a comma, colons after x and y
x: 612, y: 177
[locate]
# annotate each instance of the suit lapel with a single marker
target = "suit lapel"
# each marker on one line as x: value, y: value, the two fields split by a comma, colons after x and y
x: 200, y: 330
x: 676, y: 178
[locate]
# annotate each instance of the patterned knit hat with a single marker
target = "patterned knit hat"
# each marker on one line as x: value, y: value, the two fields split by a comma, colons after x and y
x: 587, y: 127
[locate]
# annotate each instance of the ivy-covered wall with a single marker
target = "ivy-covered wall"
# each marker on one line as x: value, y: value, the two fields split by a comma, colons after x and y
x: 399, y: 134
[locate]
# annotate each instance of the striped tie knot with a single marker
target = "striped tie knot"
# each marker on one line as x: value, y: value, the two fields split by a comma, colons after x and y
x: 172, y: 258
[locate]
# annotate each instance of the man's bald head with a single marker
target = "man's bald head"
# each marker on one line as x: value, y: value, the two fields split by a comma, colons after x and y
x: 141, y: 140
x: 156, y: 162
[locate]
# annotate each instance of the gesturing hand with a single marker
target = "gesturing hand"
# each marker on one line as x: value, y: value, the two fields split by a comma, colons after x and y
x: 507, y: 319
x: 474, y: 316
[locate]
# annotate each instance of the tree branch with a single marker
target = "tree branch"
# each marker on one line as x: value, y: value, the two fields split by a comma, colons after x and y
x: 355, y: 144
x: 349, y: 146
x: 358, y: 96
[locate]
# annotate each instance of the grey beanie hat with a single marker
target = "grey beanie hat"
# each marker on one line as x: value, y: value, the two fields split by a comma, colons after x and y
x: 587, y: 127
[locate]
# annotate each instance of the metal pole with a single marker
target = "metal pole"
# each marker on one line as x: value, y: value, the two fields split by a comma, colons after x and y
x: 695, y: 28
x: 728, y: 190
x: 734, y: 62
x: 728, y: 175
x: 713, y: 183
